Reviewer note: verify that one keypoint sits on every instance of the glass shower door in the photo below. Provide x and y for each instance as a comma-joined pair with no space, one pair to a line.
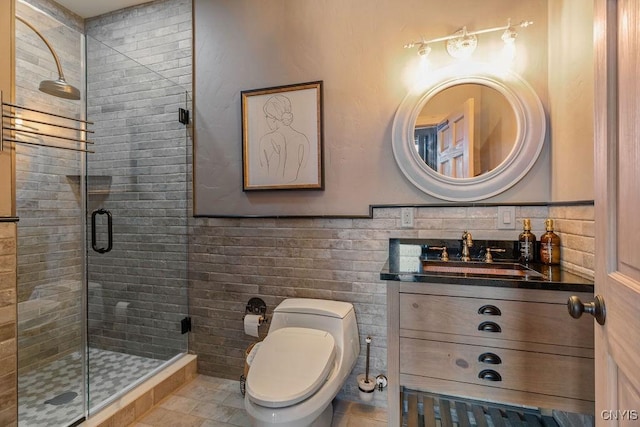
102,236
50,205
137,222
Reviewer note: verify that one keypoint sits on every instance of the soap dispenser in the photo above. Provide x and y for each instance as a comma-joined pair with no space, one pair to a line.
549,245
526,242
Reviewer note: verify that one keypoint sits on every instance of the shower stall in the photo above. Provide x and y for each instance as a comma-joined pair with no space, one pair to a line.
102,195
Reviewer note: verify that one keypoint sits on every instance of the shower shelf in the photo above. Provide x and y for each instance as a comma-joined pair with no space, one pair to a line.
8,112
99,184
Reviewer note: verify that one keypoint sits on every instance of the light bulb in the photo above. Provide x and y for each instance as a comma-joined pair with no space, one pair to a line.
463,45
424,50
509,35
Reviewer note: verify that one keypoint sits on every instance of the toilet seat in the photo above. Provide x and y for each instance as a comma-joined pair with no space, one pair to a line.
290,366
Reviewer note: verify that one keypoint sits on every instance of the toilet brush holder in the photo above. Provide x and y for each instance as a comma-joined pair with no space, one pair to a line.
366,387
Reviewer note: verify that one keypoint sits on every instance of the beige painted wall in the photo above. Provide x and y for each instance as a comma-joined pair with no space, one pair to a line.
571,99
356,48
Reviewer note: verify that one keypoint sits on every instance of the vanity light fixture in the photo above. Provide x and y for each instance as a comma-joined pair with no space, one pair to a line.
462,43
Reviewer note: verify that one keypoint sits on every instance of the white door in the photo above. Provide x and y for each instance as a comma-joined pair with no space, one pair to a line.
455,142
617,199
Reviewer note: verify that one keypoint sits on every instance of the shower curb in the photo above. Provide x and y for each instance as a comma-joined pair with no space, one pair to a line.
137,402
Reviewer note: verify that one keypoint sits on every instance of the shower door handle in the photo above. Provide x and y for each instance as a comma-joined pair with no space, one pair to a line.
95,213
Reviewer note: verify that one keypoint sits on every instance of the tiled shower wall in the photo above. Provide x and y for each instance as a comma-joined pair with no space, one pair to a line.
48,202
233,260
138,291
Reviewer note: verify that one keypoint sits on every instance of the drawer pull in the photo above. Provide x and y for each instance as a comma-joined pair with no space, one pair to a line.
489,310
489,358
489,327
489,375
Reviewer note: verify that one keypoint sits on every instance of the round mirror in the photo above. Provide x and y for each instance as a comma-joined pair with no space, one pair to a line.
467,138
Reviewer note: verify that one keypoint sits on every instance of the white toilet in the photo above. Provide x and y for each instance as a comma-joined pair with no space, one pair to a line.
302,364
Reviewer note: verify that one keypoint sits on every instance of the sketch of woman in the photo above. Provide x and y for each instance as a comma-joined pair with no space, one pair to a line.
283,150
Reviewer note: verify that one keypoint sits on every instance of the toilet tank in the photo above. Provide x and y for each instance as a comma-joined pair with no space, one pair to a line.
336,317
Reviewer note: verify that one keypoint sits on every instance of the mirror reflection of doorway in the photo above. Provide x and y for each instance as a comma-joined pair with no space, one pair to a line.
448,145
476,127
455,142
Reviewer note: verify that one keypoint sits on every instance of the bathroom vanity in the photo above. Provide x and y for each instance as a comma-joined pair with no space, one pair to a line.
489,333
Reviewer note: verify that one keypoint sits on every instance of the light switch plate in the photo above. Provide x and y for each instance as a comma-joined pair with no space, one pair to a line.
506,218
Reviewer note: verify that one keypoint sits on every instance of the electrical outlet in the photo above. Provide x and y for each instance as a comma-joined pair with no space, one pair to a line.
406,217
506,218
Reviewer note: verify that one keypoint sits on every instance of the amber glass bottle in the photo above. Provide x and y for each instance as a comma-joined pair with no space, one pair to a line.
549,245
527,242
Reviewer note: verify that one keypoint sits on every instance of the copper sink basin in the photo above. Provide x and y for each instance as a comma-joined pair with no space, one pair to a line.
480,269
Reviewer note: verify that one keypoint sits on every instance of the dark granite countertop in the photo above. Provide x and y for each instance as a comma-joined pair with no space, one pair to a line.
545,277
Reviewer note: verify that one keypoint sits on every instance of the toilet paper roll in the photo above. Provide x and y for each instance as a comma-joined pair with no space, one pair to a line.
251,324
121,311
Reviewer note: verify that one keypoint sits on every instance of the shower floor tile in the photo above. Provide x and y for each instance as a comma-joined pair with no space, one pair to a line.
109,372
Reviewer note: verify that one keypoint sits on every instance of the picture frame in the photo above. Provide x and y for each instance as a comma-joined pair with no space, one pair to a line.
282,138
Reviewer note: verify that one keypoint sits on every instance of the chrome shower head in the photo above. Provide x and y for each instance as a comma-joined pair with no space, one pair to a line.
60,88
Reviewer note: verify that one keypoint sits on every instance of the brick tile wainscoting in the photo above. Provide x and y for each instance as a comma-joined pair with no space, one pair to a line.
232,260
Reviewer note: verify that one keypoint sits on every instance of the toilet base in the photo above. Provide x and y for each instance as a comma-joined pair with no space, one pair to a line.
323,420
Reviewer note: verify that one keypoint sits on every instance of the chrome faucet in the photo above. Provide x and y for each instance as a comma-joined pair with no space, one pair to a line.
467,242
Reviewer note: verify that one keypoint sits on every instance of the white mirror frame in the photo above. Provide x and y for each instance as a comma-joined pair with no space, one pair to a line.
530,136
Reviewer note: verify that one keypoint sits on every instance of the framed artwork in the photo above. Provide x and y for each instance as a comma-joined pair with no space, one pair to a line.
282,141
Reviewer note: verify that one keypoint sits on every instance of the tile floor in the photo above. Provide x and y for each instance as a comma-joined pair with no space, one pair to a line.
109,372
216,402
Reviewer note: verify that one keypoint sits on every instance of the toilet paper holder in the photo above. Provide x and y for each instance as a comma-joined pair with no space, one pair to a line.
256,306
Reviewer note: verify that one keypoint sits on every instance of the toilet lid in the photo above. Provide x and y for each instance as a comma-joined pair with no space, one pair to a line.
290,366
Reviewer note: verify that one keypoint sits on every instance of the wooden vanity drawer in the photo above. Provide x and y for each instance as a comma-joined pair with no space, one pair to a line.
543,373
533,322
